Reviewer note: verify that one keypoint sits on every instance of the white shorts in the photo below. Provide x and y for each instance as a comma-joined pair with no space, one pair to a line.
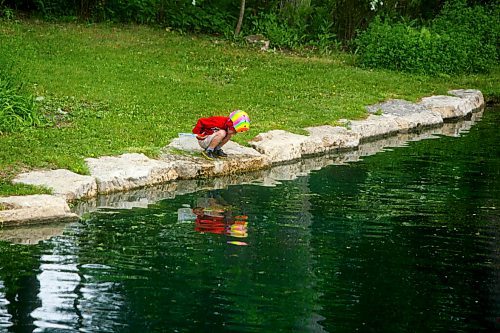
206,142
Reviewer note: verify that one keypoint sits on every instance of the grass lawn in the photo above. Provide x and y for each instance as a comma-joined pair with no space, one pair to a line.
117,89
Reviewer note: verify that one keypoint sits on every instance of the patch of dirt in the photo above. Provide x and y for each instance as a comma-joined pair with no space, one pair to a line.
7,206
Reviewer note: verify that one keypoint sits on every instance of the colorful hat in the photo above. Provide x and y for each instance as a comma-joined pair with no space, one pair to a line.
240,119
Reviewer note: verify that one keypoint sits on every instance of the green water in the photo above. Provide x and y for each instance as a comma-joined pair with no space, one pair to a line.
406,240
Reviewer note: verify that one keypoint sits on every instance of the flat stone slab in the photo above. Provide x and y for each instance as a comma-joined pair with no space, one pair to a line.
449,107
129,171
193,165
190,144
17,210
375,127
474,97
62,182
282,146
409,116
186,143
333,138
279,146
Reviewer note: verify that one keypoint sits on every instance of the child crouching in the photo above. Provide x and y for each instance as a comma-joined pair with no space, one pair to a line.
214,132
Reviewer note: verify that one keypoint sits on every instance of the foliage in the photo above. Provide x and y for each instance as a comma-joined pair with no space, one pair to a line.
206,19
476,28
18,263
461,40
183,15
5,11
306,21
278,32
312,28
18,109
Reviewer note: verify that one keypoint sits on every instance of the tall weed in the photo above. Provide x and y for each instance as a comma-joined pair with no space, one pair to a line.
18,109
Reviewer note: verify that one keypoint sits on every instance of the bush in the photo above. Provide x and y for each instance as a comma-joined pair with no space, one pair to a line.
277,31
307,28
179,15
460,40
200,18
185,15
477,27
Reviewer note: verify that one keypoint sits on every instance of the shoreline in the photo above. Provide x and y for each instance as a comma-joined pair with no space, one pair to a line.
180,167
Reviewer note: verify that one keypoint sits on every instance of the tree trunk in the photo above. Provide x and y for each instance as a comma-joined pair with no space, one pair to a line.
240,19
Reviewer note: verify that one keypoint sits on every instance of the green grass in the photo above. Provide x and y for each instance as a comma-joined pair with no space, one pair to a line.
134,88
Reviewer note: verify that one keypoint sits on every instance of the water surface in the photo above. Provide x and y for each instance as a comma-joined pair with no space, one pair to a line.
406,240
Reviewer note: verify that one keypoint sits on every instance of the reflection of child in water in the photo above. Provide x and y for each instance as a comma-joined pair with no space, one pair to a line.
217,218
208,220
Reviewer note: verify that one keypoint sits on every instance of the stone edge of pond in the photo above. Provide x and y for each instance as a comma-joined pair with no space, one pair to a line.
180,160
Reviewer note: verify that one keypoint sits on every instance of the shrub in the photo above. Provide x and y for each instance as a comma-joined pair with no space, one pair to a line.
277,31
477,27
461,40
307,26
199,18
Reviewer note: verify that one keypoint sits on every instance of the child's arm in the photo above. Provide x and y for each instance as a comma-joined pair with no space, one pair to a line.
199,129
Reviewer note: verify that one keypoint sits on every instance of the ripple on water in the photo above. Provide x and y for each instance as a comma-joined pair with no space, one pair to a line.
5,316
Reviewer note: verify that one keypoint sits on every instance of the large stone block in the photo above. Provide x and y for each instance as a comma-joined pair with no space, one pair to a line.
238,164
409,116
188,165
40,208
449,107
333,138
129,171
185,143
474,97
193,165
279,146
374,127
64,183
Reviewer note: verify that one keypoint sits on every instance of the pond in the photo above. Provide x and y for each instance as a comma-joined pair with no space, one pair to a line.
406,240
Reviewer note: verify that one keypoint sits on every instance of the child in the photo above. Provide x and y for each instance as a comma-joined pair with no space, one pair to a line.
214,132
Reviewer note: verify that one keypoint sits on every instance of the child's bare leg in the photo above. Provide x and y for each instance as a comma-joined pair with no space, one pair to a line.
226,138
217,140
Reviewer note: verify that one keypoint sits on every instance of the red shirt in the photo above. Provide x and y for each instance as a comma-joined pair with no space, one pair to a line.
207,126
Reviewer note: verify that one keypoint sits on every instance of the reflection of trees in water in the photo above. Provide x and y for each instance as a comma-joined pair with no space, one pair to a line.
170,275
52,290
19,283
408,230
5,317
277,274
70,296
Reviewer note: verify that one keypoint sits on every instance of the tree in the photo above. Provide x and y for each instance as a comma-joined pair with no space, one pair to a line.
240,18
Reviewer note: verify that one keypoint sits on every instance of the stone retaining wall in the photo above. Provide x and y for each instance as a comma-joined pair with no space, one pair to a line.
181,160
